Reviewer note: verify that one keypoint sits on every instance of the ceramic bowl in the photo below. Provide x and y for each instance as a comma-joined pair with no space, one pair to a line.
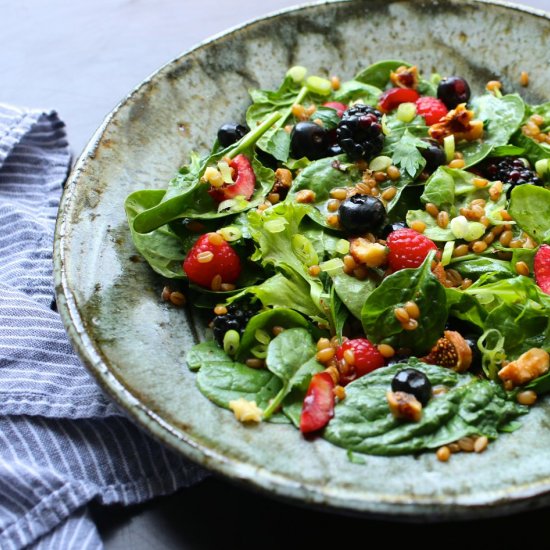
135,345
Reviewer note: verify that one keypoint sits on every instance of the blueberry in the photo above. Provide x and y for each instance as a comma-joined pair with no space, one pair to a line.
362,213
391,227
414,382
309,140
453,90
230,132
471,340
266,159
434,156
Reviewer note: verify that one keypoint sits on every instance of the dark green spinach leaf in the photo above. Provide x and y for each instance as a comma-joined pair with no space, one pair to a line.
418,285
162,248
363,423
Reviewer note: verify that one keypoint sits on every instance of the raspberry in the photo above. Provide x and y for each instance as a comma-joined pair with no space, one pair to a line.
340,108
245,180
391,99
408,248
366,356
542,268
431,108
211,256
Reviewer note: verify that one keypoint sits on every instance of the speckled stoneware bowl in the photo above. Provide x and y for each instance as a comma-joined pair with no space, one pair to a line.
135,344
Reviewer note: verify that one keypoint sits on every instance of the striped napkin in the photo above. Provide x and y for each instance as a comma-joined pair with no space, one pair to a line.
62,443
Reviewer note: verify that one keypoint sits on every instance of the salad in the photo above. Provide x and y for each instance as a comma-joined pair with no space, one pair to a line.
370,258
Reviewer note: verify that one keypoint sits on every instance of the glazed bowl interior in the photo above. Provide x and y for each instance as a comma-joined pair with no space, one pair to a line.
136,345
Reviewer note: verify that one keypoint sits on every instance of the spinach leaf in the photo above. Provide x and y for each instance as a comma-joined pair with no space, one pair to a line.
507,151
353,90
532,150
475,266
162,248
338,312
523,327
378,74
530,208
501,116
352,291
223,380
465,307
324,242
291,357
540,385
432,231
275,141
321,176
203,353
265,321
418,285
329,117
187,197
474,152
450,190
363,423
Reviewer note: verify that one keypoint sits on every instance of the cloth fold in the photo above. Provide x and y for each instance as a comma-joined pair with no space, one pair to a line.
62,442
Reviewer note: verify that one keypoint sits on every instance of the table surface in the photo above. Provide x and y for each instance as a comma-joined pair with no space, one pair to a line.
81,58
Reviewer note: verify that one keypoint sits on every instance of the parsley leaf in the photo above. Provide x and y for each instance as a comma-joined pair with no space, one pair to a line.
406,154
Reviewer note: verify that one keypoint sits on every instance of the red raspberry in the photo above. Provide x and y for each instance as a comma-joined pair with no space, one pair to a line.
542,268
245,180
318,405
337,106
366,356
391,99
431,108
408,248
211,256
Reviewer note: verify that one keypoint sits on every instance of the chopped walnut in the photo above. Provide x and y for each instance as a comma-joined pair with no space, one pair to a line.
283,182
528,366
246,411
405,77
404,406
368,253
458,122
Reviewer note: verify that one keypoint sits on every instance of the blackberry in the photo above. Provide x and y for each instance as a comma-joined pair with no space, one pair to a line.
359,133
236,318
513,170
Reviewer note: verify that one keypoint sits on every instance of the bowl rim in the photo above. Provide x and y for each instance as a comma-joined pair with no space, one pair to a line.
431,508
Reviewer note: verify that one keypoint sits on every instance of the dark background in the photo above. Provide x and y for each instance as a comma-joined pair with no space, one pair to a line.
81,58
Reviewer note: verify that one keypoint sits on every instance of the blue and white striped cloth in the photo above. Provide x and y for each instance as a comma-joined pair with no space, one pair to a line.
62,443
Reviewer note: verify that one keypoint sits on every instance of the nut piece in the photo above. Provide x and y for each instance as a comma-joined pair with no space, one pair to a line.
528,366
365,252
404,406
451,351
458,122
246,411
